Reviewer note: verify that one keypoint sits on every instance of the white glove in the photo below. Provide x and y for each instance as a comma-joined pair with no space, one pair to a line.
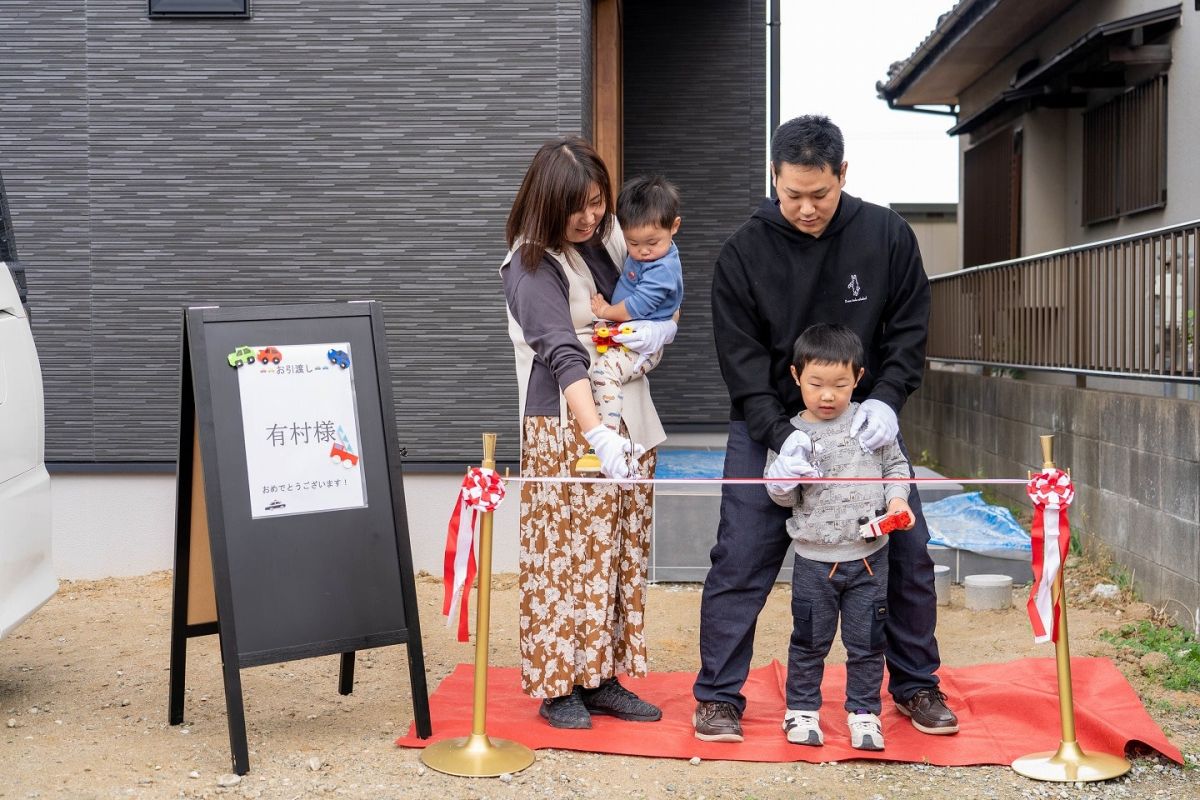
648,335
787,469
798,444
614,452
878,425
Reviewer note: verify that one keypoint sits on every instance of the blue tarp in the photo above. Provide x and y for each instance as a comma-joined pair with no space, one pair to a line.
965,521
681,463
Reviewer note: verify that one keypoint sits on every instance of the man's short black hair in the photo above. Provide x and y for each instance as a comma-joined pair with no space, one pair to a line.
649,200
828,344
808,141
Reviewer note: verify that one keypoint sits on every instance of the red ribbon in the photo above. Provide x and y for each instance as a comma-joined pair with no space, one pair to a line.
482,490
1051,492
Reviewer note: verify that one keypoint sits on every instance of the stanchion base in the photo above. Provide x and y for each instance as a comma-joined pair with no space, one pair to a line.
477,756
1069,764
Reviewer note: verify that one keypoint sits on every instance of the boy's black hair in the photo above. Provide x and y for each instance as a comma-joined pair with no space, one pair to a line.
828,344
649,200
808,141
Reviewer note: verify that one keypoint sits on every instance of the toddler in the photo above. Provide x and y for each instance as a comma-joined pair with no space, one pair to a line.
836,571
650,287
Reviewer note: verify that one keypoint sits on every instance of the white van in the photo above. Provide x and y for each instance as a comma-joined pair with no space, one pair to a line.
26,572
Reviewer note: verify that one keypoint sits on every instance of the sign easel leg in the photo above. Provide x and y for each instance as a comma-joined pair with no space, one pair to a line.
420,692
183,537
346,674
237,717
178,662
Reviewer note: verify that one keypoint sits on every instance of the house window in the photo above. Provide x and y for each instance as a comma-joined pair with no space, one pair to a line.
1125,153
199,8
992,199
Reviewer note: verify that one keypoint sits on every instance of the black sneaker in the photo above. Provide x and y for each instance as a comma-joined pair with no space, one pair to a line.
566,712
717,722
611,698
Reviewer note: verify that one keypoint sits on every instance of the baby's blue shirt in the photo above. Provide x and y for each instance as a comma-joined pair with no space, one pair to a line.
651,289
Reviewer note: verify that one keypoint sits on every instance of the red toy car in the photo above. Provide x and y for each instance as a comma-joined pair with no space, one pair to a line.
884,524
269,355
340,455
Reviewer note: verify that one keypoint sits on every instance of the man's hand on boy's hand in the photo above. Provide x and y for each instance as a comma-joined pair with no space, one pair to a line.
897,504
874,424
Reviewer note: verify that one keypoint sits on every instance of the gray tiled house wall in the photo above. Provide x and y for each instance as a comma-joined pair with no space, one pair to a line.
1134,460
695,111
328,150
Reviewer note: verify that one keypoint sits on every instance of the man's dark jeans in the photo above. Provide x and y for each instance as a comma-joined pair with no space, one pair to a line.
751,545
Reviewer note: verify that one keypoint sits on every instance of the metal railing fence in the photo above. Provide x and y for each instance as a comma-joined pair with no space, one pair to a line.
1125,306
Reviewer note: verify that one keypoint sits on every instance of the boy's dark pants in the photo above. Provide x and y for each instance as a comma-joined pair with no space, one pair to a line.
860,595
751,545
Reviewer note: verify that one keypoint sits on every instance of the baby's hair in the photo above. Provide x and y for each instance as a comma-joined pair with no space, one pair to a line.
828,344
649,200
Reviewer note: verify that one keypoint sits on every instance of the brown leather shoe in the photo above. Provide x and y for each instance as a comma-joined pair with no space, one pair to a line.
717,722
929,713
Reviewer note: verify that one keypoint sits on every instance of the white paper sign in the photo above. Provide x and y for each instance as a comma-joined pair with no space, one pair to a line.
299,415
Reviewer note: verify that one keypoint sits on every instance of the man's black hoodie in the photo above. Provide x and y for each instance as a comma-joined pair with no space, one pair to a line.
772,281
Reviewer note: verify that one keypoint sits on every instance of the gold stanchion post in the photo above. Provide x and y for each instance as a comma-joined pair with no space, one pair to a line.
1069,763
477,756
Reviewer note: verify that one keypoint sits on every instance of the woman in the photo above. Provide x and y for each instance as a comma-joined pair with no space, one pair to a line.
583,547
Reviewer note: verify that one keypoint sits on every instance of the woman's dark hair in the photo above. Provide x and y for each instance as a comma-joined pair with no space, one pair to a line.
828,344
808,141
555,187
648,201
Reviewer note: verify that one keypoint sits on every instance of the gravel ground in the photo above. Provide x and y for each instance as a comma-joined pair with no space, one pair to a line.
83,701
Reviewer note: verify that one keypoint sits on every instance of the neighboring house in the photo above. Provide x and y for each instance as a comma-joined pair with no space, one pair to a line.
936,228
340,150
1068,114
1080,198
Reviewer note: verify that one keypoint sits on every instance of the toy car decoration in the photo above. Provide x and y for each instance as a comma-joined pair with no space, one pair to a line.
603,332
339,358
270,354
240,355
871,529
339,454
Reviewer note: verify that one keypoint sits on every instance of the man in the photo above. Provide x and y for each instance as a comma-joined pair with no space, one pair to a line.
814,255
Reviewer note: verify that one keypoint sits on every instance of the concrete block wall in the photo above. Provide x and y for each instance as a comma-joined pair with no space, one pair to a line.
1134,460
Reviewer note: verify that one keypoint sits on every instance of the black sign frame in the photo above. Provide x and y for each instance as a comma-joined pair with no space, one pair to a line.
374,606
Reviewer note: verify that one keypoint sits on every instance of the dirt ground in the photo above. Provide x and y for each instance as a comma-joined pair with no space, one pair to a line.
83,705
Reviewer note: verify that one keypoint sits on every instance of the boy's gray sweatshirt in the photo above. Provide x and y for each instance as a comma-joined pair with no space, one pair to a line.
824,521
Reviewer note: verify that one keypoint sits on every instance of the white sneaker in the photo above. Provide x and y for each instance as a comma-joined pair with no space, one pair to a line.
803,727
866,732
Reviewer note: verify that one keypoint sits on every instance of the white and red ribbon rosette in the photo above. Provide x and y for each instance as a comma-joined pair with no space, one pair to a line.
1051,492
482,490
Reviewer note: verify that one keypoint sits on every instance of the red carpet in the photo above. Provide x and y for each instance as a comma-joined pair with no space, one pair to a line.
1005,711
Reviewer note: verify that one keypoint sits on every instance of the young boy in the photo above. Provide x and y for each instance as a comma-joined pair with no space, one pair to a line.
650,287
836,570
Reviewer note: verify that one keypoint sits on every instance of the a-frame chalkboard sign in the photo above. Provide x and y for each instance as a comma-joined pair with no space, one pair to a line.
291,537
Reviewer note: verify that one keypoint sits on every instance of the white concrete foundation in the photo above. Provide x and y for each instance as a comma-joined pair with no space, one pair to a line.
941,584
988,592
